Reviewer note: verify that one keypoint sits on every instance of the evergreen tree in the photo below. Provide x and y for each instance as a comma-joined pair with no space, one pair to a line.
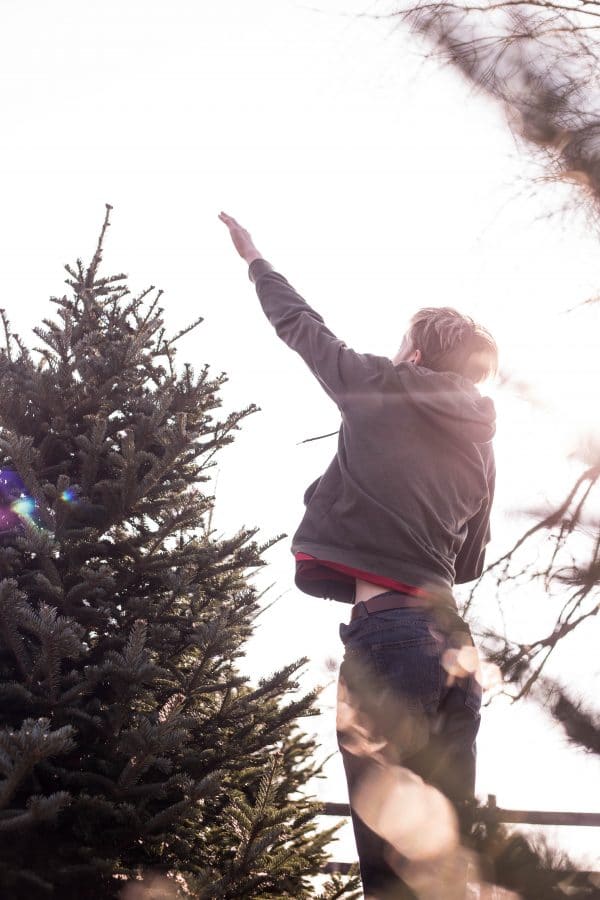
131,746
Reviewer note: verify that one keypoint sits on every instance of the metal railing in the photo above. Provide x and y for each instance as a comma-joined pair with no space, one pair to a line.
495,814
490,813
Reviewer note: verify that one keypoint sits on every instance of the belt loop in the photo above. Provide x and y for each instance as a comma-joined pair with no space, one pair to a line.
359,610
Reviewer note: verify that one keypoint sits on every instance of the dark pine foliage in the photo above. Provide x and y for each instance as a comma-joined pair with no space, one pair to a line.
131,747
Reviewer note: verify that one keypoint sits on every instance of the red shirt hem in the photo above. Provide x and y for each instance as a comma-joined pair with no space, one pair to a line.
309,566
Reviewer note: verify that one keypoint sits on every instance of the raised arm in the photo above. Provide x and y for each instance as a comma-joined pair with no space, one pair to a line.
342,372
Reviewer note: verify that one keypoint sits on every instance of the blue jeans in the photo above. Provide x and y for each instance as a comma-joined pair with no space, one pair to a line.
409,700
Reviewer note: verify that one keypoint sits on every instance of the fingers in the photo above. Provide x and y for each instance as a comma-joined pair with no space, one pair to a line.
229,220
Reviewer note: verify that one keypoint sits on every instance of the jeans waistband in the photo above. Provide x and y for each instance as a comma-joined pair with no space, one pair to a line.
391,600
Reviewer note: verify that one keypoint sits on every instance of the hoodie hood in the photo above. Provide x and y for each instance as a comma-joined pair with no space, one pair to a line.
451,401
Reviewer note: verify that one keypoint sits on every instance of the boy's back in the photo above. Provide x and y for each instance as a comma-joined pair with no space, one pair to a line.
408,494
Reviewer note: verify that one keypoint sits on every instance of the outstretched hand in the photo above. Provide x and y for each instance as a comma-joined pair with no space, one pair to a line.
242,241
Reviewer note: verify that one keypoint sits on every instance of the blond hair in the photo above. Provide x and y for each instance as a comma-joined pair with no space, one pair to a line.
452,342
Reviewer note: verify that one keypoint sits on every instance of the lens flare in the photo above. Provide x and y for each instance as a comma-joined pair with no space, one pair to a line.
10,483
355,728
153,887
412,816
461,661
24,507
11,489
491,676
17,506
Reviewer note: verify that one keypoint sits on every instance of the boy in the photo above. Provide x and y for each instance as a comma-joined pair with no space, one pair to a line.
400,515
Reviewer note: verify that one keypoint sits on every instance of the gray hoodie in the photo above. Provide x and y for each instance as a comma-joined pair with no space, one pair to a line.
408,494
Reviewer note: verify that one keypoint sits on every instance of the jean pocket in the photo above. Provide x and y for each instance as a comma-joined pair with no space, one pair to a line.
410,669
348,630
362,629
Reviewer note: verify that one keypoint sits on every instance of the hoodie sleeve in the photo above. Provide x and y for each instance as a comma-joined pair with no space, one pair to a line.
471,556
339,370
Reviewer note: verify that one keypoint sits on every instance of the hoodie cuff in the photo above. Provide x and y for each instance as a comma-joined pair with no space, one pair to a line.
258,267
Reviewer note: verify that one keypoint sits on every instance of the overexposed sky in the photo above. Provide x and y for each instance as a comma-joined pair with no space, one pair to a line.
376,183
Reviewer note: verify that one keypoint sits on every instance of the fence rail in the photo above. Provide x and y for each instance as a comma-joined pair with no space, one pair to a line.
493,813
489,813
343,868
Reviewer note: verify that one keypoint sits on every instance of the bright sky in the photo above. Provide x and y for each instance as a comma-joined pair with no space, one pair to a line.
376,183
